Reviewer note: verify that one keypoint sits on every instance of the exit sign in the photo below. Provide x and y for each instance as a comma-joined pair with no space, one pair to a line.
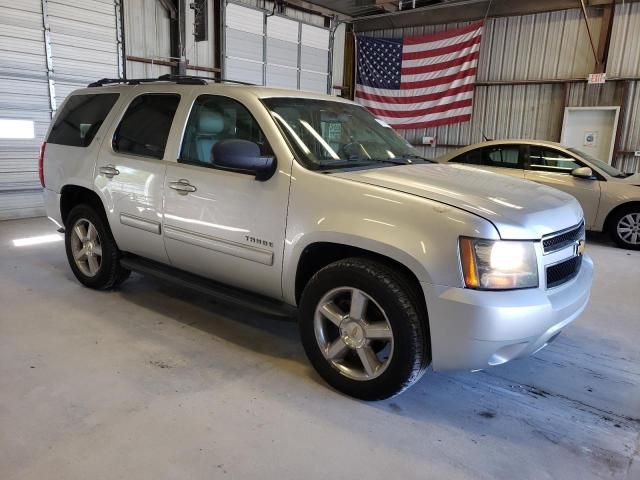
596,78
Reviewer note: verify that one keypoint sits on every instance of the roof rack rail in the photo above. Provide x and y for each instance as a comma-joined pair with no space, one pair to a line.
172,77
179,79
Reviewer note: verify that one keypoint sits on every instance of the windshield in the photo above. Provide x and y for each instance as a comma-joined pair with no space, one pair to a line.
608,169
330,135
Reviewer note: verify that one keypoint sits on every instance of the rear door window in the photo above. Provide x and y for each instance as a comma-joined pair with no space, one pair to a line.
505,156
144,128
80,119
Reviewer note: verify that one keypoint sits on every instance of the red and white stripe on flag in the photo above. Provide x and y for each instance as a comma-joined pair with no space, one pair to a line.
437,75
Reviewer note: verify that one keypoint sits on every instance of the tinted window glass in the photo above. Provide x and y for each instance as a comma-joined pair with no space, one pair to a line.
144,129
213,119
610,170
336,135
474,157
81,118
507,156
551,160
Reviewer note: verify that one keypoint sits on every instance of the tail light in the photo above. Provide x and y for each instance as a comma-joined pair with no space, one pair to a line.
41,164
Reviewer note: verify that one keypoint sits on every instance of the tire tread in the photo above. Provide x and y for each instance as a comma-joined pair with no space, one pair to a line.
405,293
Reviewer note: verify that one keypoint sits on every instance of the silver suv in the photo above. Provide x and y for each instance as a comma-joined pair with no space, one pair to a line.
274,199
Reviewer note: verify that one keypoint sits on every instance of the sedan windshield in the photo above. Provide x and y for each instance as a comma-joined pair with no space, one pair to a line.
330,135
608,169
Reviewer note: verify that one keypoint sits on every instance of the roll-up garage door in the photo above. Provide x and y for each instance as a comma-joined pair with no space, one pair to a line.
275,51
244,44
314,58
48,48
283,40
25,109
84,43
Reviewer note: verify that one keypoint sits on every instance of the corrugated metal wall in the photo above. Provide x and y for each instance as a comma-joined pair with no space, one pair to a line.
200,53
624,61
629,129
146,33
552,45
516,52
624,52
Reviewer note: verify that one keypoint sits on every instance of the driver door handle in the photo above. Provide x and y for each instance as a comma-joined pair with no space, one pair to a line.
182,186
109,171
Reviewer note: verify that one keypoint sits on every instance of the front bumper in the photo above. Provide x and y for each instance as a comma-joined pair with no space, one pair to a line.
472,329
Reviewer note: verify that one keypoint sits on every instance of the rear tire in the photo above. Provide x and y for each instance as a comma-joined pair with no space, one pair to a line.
625,227
91,250
364,329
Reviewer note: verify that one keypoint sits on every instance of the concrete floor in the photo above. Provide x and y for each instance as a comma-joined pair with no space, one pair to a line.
153,382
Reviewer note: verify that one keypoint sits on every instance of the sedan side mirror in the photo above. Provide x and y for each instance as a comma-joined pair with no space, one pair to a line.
243,156
582,172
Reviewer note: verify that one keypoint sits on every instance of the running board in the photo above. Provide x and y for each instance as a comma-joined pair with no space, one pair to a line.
215,290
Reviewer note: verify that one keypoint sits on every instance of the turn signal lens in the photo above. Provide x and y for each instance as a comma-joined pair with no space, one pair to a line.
498,264
468,263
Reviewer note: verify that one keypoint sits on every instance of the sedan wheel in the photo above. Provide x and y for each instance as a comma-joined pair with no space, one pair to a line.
628,228
624,227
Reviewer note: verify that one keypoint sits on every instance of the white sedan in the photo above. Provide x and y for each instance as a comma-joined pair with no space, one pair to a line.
610,199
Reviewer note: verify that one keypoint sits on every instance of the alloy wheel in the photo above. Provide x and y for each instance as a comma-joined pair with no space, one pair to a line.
353,333
86,247
628,228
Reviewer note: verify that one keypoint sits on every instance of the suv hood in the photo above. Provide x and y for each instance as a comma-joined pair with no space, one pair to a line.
519,209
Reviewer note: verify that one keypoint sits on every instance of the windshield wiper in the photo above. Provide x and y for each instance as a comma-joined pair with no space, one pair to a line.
406,159
393,160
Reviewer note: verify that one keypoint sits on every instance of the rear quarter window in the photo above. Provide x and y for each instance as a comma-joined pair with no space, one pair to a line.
473,157
80,119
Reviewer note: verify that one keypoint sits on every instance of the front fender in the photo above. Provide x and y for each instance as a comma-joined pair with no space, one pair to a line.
420,234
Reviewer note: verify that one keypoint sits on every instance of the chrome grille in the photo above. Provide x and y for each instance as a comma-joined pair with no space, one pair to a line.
559,240
563,272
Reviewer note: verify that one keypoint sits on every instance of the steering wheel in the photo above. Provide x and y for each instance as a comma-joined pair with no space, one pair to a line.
347,149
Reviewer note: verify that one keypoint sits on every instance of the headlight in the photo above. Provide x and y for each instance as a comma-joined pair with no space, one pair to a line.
498,264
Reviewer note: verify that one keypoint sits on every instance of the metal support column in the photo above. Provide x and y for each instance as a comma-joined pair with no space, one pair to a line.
122,64
299,56
47,48
264,48
333,26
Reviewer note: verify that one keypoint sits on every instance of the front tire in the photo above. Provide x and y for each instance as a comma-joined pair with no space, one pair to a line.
364,329
91,250
625,228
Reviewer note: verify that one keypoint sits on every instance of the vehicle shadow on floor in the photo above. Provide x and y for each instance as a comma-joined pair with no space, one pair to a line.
278,338
268,335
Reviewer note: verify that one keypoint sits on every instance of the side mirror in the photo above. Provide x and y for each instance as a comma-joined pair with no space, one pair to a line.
243,156
582,172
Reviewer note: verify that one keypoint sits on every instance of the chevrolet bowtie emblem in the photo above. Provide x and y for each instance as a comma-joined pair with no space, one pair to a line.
581,247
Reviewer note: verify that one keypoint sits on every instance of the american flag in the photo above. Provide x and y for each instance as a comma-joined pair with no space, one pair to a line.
419,82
